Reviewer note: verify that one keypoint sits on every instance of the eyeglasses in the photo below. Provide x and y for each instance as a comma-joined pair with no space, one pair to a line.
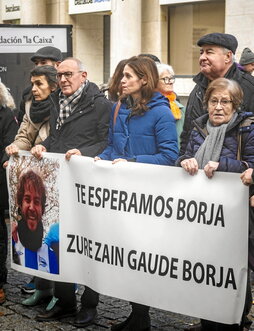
67,74
168,80
222,102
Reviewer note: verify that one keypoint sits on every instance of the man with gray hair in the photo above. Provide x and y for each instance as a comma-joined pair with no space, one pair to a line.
216,60
79,124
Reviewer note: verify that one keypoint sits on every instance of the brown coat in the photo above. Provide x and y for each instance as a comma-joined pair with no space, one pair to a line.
29,133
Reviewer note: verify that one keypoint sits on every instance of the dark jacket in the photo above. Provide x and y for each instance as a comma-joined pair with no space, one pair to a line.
228,159
147,138
8,129
195,108
85,129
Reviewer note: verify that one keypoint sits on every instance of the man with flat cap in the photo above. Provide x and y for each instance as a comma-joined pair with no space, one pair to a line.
47,55
216,60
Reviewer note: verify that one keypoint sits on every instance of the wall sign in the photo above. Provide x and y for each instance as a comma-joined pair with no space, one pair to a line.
89,6
10,10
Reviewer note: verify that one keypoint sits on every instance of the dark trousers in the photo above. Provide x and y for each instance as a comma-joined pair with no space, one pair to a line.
3,248
139,309
89,298
43,284
65,292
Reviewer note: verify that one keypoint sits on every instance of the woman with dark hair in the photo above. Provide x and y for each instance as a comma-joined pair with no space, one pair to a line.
142,129
217,144
114,86
35,125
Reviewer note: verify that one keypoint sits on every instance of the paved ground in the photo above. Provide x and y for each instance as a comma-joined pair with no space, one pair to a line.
15,317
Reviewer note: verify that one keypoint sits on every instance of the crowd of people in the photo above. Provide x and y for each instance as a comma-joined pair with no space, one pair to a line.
140,120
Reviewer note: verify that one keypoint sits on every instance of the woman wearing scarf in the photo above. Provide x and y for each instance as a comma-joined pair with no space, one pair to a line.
33,130
166,87
35,125
217,144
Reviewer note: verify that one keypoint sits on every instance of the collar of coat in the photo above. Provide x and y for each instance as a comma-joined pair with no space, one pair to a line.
232,73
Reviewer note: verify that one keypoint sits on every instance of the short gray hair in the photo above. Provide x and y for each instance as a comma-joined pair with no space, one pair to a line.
79,63
165,67
226,50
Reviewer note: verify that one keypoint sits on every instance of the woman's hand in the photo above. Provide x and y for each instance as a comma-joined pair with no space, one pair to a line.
210,168
252,201
5,164
37,151
246,177
14,231
118,160
97,158
71,152
190,165
12,149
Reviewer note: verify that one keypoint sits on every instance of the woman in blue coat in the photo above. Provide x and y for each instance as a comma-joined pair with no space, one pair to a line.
142,129
222,140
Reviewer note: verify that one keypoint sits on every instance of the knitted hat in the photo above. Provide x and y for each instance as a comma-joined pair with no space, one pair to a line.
48,52
246,57
220,39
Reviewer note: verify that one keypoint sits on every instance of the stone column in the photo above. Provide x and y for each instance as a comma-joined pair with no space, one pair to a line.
33,12
125,34
239,21
155,29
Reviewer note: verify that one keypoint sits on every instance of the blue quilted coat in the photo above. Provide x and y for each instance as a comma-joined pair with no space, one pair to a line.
147,138
228,159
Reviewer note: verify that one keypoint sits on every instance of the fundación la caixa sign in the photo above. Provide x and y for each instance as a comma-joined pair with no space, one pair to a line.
89,6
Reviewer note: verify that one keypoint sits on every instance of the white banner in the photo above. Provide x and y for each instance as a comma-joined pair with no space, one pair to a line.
149,234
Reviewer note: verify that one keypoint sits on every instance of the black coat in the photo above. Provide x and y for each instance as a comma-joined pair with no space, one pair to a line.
8,129
87,126
195,108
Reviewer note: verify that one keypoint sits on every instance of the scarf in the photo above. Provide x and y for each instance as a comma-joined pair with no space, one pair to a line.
176,111
30,239
211,148
40,110
67,105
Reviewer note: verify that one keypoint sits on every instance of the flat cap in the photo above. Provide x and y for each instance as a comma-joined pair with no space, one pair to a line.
247,57
48,52
220,39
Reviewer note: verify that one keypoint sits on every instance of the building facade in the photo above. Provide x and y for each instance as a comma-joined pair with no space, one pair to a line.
106,31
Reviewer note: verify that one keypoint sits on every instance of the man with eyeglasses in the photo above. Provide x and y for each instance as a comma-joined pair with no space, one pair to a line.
79,125
216,60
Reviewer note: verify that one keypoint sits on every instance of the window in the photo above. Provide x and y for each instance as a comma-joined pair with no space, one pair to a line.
187,23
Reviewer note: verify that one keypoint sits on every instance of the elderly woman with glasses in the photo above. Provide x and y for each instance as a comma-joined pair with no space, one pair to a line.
221,140
166,87
214,141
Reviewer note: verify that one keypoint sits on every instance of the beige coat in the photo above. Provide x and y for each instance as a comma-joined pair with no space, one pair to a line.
29,133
